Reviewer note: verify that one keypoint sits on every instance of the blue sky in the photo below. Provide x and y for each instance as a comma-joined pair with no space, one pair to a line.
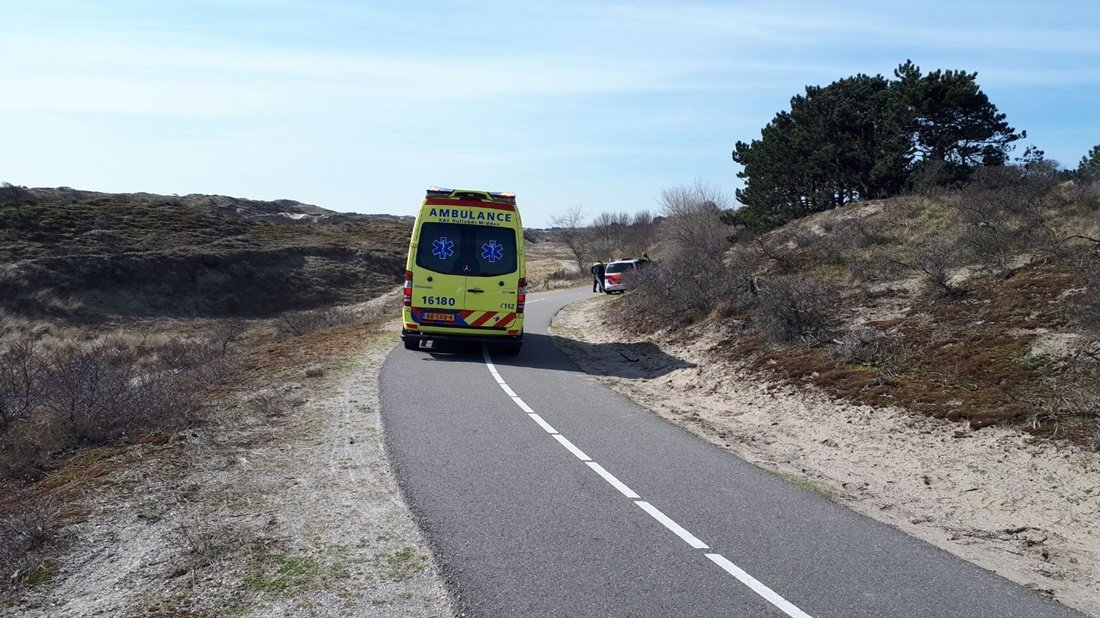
358,106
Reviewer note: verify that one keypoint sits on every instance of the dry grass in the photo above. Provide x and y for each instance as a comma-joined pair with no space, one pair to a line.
960,360
835,300
550,265
46,477
76,395
127,318
305,322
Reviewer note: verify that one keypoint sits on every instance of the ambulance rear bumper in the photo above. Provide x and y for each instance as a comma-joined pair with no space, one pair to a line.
439,341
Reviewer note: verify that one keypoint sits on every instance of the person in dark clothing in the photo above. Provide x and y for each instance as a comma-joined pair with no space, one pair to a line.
598,269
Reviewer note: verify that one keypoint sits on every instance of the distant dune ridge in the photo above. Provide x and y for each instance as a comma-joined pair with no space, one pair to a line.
67,252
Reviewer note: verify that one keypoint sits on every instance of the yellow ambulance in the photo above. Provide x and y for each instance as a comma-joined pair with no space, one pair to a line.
465,277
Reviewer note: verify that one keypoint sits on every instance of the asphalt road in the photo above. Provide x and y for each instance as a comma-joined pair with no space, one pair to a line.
545,494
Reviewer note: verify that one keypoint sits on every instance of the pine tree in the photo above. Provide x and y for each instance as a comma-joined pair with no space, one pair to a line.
839,143
866,137
1089,168
953,126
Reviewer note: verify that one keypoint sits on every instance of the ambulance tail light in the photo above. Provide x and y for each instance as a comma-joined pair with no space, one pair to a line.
521,295
407,289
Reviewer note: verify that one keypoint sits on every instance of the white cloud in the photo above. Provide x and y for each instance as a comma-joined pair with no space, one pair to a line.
136,76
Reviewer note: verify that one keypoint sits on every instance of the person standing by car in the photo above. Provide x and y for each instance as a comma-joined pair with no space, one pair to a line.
597,269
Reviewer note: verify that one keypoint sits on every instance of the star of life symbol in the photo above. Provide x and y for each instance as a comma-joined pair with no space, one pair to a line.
443,248
492,251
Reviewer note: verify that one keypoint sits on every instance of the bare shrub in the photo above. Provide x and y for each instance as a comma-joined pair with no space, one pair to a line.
1086,311
26,526
570,230
679,290
226,333
1071,398
1085,306
880,264
89,389
782,255
859,347
272,403
640,234
26,448
692,278
22,377
870,347
840,243
692,217
990,245
1085,194
871,231
102,391
1004,212
203,539
609,233
796,310
305,322
205,363
83,394
933,179
934,261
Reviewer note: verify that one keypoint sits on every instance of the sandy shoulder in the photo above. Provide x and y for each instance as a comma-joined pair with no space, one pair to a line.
1025,509
286,506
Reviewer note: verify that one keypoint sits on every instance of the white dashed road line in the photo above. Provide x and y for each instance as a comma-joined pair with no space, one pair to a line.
616,483
667,522
757,587
571,447
766,593
545,425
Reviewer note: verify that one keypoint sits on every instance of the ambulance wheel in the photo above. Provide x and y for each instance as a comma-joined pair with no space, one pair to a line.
510,349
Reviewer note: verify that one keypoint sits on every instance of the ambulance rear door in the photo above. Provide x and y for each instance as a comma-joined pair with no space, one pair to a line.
470,275
440,283
492,276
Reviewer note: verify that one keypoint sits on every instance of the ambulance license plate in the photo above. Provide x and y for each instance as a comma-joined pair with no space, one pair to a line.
440,317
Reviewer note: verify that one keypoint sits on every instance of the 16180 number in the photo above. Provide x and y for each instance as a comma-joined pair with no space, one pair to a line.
440,301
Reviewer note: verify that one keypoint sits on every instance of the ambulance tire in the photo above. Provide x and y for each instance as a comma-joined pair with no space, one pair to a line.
411,344
510,349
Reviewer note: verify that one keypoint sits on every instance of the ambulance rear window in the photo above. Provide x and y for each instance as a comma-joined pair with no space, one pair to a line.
471,250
